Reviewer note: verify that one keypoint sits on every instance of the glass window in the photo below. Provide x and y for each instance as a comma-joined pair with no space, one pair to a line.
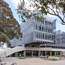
46,22
40,28
49,37
43,36
36,35
36,26
53,37
39,35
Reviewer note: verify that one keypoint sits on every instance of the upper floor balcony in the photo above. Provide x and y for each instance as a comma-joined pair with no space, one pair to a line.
43,37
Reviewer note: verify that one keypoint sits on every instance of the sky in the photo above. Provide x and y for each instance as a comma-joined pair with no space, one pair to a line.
13,5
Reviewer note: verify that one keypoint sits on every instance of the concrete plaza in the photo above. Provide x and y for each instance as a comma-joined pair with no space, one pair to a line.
32,61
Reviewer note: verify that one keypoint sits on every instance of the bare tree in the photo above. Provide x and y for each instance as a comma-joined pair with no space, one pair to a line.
52,7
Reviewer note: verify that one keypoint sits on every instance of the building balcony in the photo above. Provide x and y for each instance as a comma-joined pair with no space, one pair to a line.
42,40
43,32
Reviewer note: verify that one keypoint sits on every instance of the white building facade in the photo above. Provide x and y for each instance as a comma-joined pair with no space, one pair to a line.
38,39
36,32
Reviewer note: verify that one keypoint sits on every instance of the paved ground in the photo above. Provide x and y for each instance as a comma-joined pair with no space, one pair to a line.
33,61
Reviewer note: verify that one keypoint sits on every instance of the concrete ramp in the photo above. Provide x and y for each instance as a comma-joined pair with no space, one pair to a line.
4,52
8,51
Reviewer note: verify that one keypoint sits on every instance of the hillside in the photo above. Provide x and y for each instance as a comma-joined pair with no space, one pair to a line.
8,24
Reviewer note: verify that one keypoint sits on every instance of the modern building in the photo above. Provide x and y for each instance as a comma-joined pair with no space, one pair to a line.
60,39
37,33
38,39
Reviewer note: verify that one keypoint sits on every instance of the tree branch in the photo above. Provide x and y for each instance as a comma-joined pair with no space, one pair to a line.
60,18
52,10
57,16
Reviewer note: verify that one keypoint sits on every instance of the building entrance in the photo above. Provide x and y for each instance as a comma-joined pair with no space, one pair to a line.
28,53
35,53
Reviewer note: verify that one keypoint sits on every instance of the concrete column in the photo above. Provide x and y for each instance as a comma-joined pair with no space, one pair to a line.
32,53
55,53
39,54
61,53
45,53
16,54
50,53
24,53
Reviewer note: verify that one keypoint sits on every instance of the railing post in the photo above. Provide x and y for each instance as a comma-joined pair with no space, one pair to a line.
39,54
24,53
